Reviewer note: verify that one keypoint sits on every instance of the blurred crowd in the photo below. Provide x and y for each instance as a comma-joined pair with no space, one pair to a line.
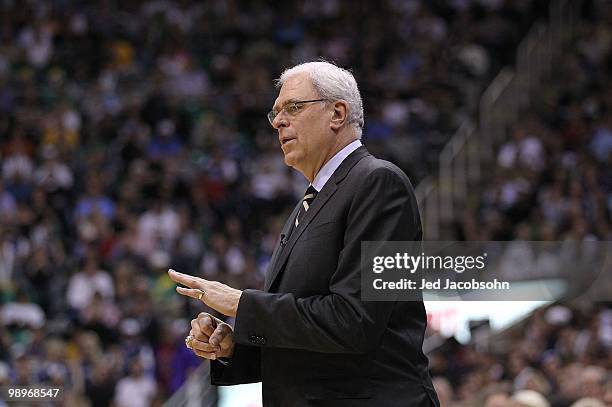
559,357
133,138
552,181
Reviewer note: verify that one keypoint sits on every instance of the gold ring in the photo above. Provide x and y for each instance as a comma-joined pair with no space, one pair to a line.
189,340
200,295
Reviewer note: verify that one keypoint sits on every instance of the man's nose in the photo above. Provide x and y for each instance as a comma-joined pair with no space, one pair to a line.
280,121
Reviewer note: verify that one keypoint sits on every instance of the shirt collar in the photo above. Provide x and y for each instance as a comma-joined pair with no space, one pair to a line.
332,164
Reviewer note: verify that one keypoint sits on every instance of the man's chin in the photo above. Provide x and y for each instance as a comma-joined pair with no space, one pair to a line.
289,160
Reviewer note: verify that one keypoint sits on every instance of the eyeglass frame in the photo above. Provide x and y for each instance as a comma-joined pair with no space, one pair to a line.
272,115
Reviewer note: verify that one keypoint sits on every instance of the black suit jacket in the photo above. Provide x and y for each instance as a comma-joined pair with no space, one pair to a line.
308,336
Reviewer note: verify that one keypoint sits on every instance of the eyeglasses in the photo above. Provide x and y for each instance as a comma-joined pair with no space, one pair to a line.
292,108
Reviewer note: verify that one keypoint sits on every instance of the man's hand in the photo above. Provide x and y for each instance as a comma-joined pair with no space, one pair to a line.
216,295
213,337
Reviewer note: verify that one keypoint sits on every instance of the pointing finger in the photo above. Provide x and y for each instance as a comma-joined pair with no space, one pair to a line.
186,279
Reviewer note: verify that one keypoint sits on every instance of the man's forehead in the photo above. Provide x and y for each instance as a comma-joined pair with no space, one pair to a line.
295,87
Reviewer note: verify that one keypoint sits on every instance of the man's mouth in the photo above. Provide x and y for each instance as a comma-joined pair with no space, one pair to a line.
286,140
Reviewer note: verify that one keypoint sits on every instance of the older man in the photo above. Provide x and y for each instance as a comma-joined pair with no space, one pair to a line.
308,336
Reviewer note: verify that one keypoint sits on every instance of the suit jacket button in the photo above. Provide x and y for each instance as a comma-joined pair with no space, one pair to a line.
262,340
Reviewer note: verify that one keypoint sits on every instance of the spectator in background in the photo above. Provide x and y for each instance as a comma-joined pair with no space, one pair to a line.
86,283
497,399
135,390
22,313
101,316
100,388
94,201
18,168
53,175
601,144
588,402
158,228
529,398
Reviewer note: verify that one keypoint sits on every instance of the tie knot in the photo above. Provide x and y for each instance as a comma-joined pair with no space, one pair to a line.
310,194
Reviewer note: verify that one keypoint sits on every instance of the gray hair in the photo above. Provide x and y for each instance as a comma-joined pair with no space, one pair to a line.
333,83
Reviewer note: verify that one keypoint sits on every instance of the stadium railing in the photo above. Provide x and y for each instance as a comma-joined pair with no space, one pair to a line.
470,151
196,391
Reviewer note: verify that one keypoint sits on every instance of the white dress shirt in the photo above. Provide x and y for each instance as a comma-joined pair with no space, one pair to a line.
330,166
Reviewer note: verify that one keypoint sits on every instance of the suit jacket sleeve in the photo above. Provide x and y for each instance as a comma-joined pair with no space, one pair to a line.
243,367
383,208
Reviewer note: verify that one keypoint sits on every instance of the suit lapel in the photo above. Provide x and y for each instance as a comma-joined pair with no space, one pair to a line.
286,231
331,186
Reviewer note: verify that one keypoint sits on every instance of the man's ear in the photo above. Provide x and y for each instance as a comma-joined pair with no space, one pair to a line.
339,115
